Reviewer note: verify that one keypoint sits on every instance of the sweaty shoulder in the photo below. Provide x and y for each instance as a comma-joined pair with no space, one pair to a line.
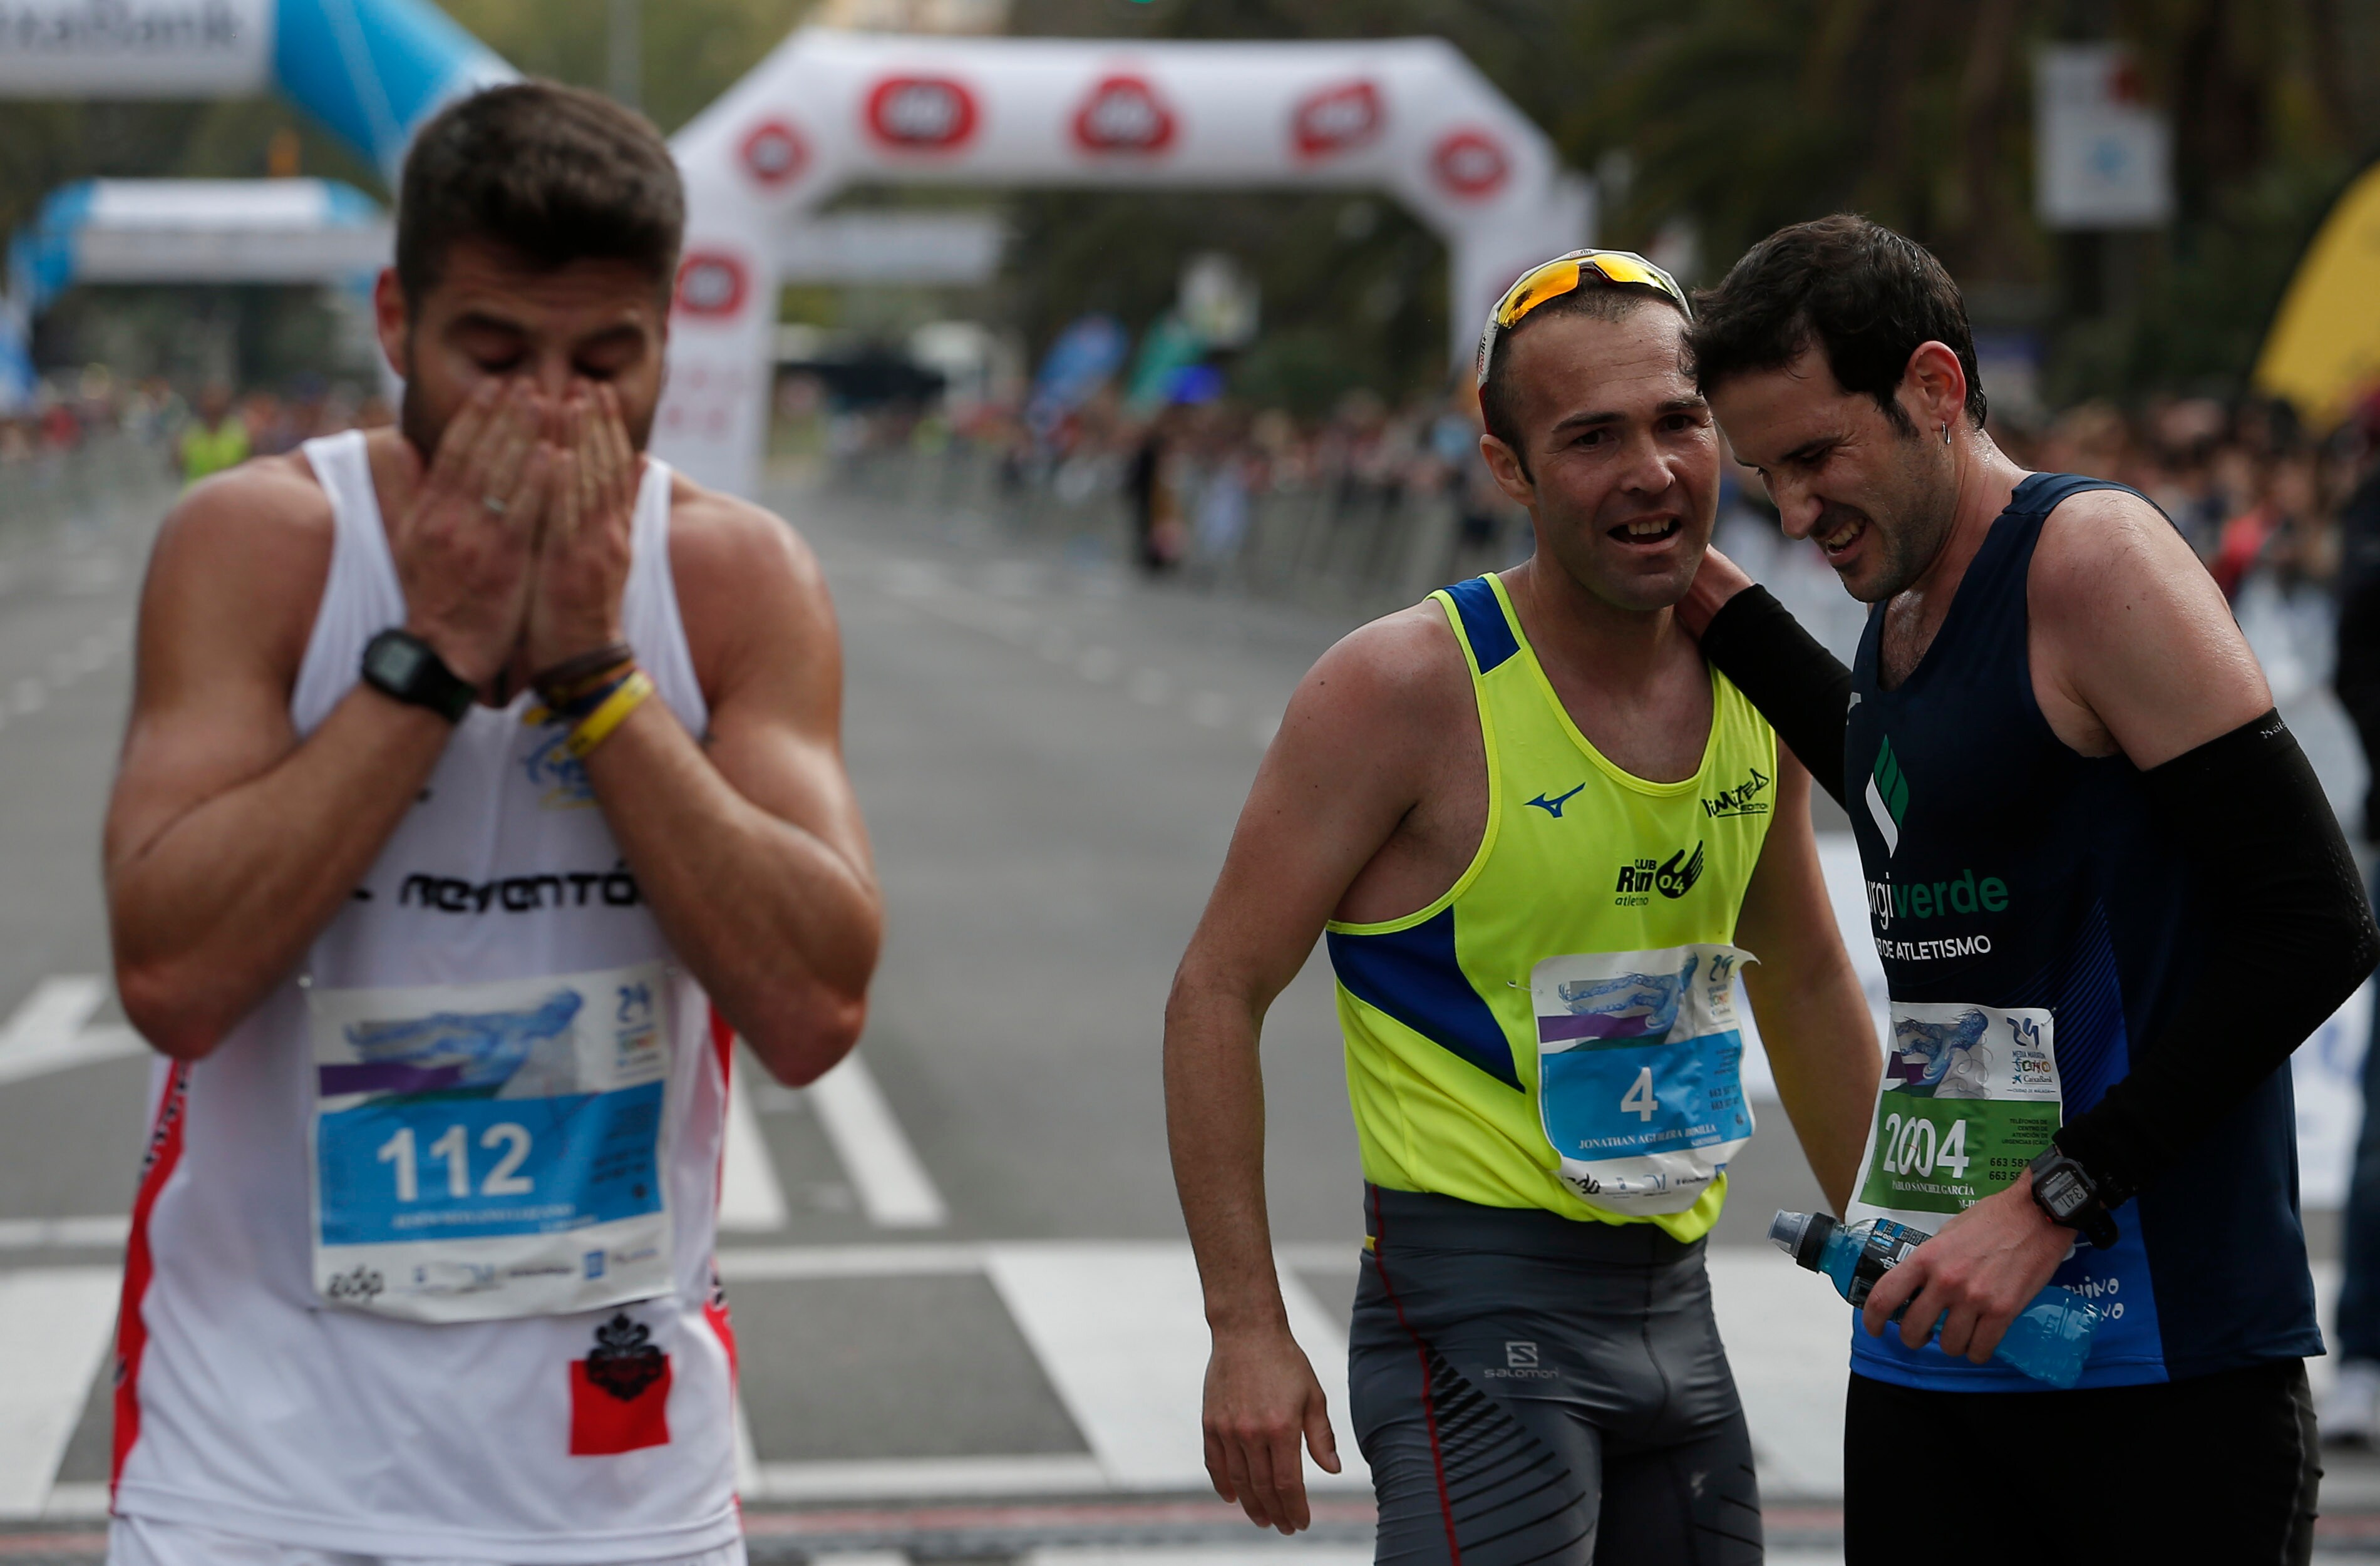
2134,647
745,580
1400,678
246,554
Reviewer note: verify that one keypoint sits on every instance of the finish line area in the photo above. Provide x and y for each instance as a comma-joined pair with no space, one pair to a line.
969,1326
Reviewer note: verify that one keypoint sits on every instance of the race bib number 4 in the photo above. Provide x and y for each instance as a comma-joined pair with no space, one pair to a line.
1639,1073
492,1150
1970,1096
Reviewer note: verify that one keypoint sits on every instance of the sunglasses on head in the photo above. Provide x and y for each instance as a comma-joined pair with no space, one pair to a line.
1551,280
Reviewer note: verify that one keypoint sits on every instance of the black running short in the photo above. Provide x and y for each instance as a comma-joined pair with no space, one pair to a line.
1527,1388
2223,1468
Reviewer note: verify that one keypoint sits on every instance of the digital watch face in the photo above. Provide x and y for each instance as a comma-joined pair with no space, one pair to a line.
395,663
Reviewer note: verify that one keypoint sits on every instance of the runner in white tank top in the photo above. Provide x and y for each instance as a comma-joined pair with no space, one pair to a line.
420,1266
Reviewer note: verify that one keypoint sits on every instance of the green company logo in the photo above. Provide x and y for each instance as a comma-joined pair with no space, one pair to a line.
1887,796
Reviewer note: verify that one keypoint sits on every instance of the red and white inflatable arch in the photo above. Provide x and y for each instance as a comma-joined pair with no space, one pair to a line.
1409,117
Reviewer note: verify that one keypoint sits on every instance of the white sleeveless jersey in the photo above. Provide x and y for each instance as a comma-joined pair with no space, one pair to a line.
430,1399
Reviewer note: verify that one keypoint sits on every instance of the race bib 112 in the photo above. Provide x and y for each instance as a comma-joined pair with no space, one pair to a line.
492,1150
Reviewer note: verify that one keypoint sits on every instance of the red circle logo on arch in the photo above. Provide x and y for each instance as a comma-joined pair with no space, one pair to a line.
710,283
774,154
1123,113
1336,119
921,114
1470,163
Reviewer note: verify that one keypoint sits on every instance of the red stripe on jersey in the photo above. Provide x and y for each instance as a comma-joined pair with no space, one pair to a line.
131,1333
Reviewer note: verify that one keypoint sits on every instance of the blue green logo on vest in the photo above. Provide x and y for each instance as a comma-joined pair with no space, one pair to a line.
1887,796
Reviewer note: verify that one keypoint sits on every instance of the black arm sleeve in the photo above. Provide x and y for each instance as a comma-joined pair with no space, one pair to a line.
1799,687
2278,894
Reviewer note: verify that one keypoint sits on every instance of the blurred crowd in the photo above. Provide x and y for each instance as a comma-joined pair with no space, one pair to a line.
2258,496
196,431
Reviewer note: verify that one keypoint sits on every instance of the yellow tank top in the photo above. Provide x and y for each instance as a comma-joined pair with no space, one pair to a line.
1558,1030
208,452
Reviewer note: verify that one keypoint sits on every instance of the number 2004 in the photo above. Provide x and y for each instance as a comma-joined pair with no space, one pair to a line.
1911,1147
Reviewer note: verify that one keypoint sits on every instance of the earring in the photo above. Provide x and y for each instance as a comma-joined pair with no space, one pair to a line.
1946,435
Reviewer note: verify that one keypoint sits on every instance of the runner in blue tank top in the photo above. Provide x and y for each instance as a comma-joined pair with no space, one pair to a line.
2110,899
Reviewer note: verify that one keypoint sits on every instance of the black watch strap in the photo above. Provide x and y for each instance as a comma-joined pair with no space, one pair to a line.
399,664
2064,1190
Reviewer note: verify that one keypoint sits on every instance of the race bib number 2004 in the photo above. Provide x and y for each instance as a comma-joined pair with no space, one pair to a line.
1969,1095
1640,1083
491,1150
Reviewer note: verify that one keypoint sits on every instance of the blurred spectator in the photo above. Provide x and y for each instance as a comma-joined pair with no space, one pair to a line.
216,438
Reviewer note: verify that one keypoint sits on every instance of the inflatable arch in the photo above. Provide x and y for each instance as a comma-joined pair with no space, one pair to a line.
1410,117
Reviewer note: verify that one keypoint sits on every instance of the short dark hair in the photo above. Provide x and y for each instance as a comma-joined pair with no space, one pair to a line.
1866,296
553,174
1594,298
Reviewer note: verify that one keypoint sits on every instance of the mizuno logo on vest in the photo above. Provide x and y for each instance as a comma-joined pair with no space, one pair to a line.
1553,807
1887,796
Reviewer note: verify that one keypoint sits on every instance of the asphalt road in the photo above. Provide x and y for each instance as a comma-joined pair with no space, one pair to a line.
957,1269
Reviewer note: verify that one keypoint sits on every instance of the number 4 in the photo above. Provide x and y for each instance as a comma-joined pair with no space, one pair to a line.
1639,1101
1953,1154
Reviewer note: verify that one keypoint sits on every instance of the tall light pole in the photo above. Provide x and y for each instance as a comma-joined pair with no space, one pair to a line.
627,52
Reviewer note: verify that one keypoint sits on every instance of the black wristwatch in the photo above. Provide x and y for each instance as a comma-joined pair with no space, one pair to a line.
400,664
2064,1190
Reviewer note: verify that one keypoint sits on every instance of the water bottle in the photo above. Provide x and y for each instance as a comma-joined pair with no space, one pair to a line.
2048,1341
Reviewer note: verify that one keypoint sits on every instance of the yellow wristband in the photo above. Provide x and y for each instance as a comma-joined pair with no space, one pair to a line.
598,724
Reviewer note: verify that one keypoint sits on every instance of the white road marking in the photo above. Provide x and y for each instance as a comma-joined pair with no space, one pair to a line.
906,1478
60,1320
1120,1331
75,1503
57,1010
1116,1326
1788,1340
47,1031
860,1557
894,1189
750,1194
64,1233
741,1263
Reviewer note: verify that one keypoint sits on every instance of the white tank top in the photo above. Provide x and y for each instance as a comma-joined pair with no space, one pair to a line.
497,969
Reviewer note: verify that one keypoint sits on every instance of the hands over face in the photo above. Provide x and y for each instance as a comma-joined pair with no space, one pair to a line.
466,547
519,534
583,552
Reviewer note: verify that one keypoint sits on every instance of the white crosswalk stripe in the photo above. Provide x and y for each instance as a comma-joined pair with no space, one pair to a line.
47,1032
1121,1331
896,1192
750,1194
60,1320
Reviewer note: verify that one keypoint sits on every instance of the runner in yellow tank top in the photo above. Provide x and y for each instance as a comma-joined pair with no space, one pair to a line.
1544,839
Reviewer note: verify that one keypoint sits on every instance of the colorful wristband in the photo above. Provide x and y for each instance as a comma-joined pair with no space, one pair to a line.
579,673
597,726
